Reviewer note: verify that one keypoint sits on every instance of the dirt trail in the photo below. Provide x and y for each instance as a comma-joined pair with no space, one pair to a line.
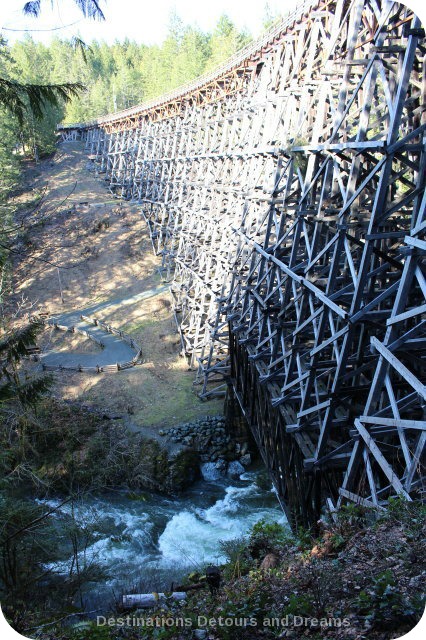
82,249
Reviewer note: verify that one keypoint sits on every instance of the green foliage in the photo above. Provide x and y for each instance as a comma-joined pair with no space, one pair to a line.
267,537
19,98
238,557
90,631
256,604
9,163
352,513
21,554
33,95
337,540
13,347
64,449
9,138
225,41
384,605
30,99
350,518
304,538
412,515
299,604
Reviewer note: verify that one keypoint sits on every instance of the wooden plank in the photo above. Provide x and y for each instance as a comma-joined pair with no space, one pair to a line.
402,369
381,460
394,422
359,500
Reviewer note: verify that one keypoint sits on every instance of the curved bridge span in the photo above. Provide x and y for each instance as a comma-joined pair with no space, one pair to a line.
286,196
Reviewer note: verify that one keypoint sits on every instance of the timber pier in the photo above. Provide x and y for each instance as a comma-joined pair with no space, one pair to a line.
285,194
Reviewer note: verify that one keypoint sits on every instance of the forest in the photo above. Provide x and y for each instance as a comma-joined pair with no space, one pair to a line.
112,77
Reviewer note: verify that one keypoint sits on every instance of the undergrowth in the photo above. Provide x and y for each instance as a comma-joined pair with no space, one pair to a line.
361,577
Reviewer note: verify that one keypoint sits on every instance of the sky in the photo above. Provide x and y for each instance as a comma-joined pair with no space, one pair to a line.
142,20
145,21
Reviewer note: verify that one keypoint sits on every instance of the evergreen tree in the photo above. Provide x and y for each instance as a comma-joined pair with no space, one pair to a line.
225,42
89,8
20,97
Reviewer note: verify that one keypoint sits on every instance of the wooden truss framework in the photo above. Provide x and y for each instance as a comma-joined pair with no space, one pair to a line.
286,198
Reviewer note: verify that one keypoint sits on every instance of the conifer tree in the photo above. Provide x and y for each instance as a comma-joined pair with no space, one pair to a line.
19,97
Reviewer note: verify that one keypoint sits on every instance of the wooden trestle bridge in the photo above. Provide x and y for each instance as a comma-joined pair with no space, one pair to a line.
285,193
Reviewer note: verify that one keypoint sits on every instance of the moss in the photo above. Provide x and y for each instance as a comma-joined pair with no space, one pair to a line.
184,469
164,474
76,450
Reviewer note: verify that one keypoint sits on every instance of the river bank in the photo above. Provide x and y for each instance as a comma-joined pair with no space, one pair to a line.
143,541
357,579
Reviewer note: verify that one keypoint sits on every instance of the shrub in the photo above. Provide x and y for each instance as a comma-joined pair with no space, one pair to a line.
238,557
299,605
385,606
268,537
409,514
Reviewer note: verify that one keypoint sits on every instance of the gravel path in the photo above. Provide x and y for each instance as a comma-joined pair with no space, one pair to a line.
115,349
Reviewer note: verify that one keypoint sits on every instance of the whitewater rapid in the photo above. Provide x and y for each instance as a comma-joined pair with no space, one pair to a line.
148,542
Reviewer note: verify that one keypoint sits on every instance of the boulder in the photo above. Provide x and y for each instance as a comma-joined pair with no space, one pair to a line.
210,472
235,469
246,460
221,465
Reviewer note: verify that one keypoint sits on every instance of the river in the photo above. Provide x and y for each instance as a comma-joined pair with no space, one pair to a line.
144,542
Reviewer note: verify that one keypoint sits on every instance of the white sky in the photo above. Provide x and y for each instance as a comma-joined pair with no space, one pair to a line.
143,20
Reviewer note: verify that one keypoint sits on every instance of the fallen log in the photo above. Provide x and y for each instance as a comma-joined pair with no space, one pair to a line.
191,587
147,600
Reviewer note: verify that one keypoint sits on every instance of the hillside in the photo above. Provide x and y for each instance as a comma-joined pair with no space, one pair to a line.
106,265
363,577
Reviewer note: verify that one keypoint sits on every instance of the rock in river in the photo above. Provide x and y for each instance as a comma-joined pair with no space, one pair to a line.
235,469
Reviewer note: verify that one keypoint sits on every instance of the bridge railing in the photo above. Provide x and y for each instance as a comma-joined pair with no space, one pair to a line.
235,61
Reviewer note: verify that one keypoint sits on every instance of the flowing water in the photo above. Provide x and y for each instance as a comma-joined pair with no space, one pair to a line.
145,542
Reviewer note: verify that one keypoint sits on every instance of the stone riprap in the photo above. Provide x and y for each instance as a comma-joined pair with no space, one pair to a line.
208,436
